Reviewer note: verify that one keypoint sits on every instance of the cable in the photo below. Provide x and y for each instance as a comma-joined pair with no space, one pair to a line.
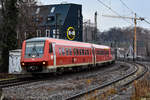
133,11
146,21
127,6
113,11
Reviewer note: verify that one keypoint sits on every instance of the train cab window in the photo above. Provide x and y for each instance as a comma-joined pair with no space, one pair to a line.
63,51
50,48
70,51
74,51
67,51
59,51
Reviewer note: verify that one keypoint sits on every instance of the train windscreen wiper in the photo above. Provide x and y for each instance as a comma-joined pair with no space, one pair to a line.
34,49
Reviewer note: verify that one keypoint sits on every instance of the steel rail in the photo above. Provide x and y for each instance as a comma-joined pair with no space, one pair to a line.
111,82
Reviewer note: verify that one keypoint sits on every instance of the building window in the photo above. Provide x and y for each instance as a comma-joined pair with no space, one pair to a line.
50,18
25,35
47,33
38,33
37,10
56,34
53,9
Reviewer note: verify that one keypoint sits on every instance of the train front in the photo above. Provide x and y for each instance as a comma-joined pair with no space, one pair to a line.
34,57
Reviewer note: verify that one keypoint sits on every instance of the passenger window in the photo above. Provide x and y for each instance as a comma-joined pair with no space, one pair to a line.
50,48
70,51
74,50
67,52
63,51
77,51
59,51
82,51
87,52
103,52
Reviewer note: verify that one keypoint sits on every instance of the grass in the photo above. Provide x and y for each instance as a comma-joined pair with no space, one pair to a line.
141,89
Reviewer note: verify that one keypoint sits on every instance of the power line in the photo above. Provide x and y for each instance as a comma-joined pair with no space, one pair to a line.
133,11
146,21
127,7
112,10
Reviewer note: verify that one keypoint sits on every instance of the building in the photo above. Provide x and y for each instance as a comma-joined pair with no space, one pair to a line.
62,21
88,31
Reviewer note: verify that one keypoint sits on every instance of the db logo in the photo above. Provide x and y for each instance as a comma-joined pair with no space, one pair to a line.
70,33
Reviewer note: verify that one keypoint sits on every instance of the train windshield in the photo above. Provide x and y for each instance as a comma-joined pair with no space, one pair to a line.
34,49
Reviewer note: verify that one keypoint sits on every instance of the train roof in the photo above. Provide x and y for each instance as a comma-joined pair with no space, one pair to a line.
100,46
67,42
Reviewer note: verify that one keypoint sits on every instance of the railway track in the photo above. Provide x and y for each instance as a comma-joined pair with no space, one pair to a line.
15,82
75,86
117,84
20,81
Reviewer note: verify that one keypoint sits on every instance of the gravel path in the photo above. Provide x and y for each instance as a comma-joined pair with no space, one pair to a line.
65,85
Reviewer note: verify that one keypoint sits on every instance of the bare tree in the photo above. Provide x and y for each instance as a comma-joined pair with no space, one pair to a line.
25,19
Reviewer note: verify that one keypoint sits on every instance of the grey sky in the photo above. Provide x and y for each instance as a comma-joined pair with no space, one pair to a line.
141,7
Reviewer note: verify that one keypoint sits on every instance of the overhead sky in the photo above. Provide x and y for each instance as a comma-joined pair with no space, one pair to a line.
89,7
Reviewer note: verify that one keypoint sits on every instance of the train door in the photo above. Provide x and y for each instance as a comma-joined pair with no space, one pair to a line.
54,54
94,57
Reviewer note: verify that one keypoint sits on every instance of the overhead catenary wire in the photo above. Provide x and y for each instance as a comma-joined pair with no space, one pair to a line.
133,11
146,21
127,7
113,11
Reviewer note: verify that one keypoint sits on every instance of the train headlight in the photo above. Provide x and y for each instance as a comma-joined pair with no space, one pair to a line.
23,64
44,62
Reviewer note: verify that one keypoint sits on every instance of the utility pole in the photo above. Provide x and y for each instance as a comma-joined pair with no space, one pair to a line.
135,23
135,37
56,25
95,18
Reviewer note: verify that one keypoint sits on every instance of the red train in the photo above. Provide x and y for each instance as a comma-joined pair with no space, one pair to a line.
44,55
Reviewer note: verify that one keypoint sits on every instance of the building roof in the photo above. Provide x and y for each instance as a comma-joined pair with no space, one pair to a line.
50,11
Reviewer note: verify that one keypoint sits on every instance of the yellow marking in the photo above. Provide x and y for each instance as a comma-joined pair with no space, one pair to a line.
68,33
